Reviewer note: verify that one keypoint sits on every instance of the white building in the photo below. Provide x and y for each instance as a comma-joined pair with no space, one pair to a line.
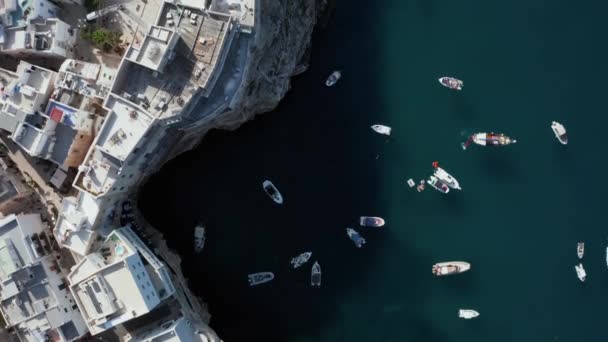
178,329
34,299
156,50
122,281
18,13
31,27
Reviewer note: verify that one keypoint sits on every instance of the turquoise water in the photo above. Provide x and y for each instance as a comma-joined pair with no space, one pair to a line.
517,220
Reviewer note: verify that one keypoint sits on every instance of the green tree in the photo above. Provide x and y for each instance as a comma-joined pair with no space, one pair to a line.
105,39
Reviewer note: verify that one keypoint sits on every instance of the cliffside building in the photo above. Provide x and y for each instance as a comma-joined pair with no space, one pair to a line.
121,281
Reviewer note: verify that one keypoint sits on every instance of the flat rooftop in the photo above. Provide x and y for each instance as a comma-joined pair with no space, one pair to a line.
153,49
113,285
124,127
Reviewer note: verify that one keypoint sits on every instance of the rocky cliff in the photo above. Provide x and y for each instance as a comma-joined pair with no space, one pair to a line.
279,51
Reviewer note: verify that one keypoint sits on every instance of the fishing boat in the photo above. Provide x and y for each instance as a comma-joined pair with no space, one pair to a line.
467,313
315,275
438,185
199,238
333,78
488,139
580,249
356,237
445,177
451,82
381,129
371,221
580,272
260,278
300,259
272,191
560,132
450,267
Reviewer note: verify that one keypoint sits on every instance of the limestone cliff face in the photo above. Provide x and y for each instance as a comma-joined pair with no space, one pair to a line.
283,33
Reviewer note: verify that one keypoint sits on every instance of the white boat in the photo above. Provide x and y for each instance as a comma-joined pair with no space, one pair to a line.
356,237
411,183
381,129
580,272
606,256
446,178
560,132
438,185
199,238
450,267
260,278
371,221
580,249
467,313
300,259
488,139
333,78
315,275
272,191
451,82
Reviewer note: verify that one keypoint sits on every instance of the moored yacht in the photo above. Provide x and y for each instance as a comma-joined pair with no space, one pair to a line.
438,185
467,313
451,82
356,237
300,259
450,267
560,132
199,238
315,275
381,129
371,221
445,177
580,272
489,139
333,78
259,278
580,249
272,191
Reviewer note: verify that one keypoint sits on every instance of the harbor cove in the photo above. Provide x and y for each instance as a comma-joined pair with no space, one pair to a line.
302,171
517,220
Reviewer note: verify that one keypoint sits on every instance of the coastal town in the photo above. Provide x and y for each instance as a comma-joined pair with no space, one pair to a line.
94,98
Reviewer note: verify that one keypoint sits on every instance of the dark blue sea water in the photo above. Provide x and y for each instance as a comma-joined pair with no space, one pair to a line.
517,220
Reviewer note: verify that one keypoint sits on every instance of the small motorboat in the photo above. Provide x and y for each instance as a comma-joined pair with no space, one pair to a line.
438,185
580,249
467,313
315,275
272,191
199,238
356,237
260,278
580,272
451,82
411,183
300,259
445,177
333,78
606,256
560,132
371,221
450,267
488,139
381,129
421,186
